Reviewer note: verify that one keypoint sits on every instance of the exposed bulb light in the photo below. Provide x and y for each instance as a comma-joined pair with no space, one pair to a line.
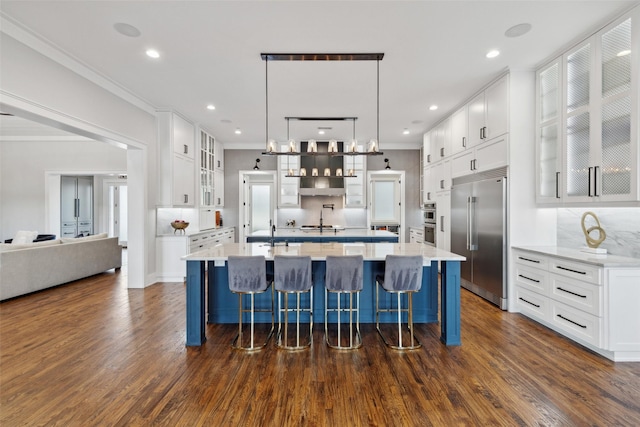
152,53
624,52
433,108
211,107
493,53
405,132
238,131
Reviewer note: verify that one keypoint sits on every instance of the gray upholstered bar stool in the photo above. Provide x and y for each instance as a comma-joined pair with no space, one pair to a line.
343,277
292,275
402,275
248,277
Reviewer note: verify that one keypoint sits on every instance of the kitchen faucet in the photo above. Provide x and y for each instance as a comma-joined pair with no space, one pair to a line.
273,231
325,206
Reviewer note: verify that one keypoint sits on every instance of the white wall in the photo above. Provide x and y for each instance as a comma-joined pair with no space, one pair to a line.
37,87
24,166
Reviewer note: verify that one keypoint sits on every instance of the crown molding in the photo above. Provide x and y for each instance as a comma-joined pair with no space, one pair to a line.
48,49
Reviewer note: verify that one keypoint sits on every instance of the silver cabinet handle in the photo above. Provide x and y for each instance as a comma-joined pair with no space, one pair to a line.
186,149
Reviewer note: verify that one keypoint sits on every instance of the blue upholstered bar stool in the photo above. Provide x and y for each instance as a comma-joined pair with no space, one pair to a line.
292,275
402,275
343,277
248,277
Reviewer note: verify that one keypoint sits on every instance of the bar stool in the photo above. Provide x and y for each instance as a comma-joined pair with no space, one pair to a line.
248,276
292,275
343,276
402,275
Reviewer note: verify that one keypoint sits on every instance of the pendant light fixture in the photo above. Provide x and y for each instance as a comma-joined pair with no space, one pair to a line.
292,147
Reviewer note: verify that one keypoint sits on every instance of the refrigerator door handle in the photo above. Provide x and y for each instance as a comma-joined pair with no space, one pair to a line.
468,221
473,245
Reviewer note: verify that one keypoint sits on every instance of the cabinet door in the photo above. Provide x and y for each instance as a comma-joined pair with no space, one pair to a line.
183,181
429,184
289,193
218,156
617,171
476,116
85,200
462,163
68,204
443,220
497,109
183,137
492,154
459,130
578,150
548,137
218,188
426,148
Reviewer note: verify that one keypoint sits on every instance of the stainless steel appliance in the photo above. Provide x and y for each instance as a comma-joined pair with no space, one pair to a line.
430,215
478,231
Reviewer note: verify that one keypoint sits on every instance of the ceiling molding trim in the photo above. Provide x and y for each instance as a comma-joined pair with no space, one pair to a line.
45,47
60,138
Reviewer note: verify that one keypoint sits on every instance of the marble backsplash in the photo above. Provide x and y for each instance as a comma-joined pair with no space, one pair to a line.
622,226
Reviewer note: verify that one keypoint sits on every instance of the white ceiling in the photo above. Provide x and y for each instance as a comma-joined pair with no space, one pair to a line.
434,53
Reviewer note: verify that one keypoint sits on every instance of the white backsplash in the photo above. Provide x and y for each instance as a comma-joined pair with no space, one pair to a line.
622,226
309,213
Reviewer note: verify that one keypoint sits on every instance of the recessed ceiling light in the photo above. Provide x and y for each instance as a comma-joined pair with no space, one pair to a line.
405,132
493,53
624,52
126,29
433,108
518,30
152,53
211,107
238,131
321,132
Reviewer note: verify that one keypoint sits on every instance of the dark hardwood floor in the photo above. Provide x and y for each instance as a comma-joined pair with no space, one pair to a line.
94,353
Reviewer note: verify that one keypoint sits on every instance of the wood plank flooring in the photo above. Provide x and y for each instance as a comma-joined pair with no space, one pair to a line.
94,353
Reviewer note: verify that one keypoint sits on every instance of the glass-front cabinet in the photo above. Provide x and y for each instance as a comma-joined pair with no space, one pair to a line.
207,143
587,120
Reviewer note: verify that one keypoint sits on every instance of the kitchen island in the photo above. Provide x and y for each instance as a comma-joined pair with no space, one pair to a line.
332,234
221,304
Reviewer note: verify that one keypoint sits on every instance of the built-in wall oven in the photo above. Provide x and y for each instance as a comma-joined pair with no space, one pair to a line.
430,215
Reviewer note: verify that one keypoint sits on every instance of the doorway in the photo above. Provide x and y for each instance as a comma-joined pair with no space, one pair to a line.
257,202
117,194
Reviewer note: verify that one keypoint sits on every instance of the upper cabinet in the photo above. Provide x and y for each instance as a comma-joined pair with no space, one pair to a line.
355,189
211,171
488,113
459,130
587,120
176,159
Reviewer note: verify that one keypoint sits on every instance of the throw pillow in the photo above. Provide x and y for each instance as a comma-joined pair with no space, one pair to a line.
23,237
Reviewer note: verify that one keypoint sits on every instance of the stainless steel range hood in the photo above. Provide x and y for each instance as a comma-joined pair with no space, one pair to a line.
321,185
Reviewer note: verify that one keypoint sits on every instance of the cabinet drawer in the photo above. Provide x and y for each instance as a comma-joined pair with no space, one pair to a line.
577,323
533,279
530,259
577,294
532,304
576,270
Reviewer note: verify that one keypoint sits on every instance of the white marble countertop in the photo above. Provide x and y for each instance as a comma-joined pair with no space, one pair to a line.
601,260
344,232
319,251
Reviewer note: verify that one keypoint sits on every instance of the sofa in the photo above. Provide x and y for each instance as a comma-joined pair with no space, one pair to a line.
30,267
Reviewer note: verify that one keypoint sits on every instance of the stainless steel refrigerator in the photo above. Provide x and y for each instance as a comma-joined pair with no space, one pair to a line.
478,231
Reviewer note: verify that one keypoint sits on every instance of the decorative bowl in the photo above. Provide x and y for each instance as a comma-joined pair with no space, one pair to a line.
179,225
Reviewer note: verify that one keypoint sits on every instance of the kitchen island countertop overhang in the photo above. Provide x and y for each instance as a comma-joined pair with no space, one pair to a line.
374,255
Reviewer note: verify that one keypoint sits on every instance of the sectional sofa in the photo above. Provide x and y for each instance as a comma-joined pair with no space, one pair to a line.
26,268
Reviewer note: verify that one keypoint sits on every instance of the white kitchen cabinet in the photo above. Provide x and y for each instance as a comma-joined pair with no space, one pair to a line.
218,155
486,156
416,235
488,113
218,189
596,124
591,302
429,184
441,176
443,220
459,131
170,248
176,159
427,157
207,180
549,176
288,186
440,141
